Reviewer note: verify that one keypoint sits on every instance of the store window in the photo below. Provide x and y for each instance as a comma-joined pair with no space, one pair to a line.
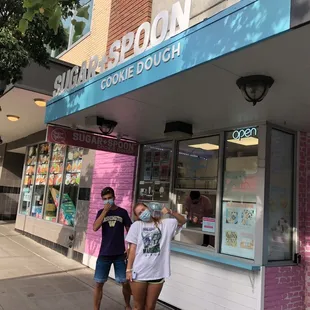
239,193
155,171
196,189
40,180
51,182
72,36
281,196
55,182
71,186
29,180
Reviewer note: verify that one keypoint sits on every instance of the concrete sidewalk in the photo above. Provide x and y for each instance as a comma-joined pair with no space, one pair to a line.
33,277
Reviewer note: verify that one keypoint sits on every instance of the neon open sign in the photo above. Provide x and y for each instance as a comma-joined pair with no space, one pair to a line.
244,133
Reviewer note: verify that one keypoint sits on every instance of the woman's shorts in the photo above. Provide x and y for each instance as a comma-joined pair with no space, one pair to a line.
158,281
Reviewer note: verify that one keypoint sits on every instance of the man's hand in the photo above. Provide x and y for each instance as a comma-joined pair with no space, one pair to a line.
100,219
107,208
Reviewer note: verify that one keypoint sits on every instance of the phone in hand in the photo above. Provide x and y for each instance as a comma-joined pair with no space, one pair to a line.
134,275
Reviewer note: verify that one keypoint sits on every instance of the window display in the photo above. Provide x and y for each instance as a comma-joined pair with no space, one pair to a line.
154,181
40,180
239,194
55,182
71,186
281,196
51,175
27,189
198,163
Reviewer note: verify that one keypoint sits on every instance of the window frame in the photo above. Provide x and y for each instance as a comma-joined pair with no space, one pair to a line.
294,244
262,184
71,31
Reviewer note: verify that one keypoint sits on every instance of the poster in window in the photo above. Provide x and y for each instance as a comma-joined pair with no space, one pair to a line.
238,227
156,157
161,191
148,157
165,156
164,172
155,172
147,172
145,191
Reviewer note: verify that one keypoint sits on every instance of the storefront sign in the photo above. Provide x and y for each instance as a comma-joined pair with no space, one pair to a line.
151,35
155,60
89,140
244,133
208,224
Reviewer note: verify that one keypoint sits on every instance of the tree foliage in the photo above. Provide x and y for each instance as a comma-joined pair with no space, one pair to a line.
28,28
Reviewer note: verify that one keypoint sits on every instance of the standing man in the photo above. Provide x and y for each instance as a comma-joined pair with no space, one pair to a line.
197,207
112,219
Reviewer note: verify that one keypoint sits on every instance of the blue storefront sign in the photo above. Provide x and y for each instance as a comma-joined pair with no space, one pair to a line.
243,24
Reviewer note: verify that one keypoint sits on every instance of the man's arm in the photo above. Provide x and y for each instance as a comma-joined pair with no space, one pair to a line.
207,207
98,222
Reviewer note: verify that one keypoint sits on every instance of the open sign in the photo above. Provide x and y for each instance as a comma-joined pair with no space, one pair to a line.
244,133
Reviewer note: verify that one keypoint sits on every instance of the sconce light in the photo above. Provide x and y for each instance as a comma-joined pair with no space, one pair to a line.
255,87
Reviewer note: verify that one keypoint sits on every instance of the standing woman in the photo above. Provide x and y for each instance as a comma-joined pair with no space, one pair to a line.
149,256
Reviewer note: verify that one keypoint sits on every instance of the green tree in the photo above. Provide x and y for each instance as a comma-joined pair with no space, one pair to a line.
28,28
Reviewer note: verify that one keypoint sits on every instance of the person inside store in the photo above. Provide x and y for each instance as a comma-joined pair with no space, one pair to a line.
149,255
197,207
112,220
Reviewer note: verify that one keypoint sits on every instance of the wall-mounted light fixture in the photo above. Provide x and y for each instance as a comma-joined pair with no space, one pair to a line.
40,102
13,118
255,87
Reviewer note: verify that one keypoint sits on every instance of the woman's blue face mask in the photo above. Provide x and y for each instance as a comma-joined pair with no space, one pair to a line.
145,216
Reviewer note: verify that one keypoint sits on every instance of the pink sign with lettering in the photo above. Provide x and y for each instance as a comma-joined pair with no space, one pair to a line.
90,141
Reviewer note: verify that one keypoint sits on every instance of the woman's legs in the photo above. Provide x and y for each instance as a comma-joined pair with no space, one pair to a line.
152,294
139,291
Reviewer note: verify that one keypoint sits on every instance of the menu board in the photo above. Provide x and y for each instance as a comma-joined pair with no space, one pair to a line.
238,229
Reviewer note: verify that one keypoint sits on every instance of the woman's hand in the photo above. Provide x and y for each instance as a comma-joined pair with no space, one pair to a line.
129,276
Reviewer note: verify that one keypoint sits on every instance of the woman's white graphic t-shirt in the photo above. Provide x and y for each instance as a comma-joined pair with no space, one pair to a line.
152,261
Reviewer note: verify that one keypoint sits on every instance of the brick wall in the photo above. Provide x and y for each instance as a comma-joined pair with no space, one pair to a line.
288,288
113,170
127,16
96,42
